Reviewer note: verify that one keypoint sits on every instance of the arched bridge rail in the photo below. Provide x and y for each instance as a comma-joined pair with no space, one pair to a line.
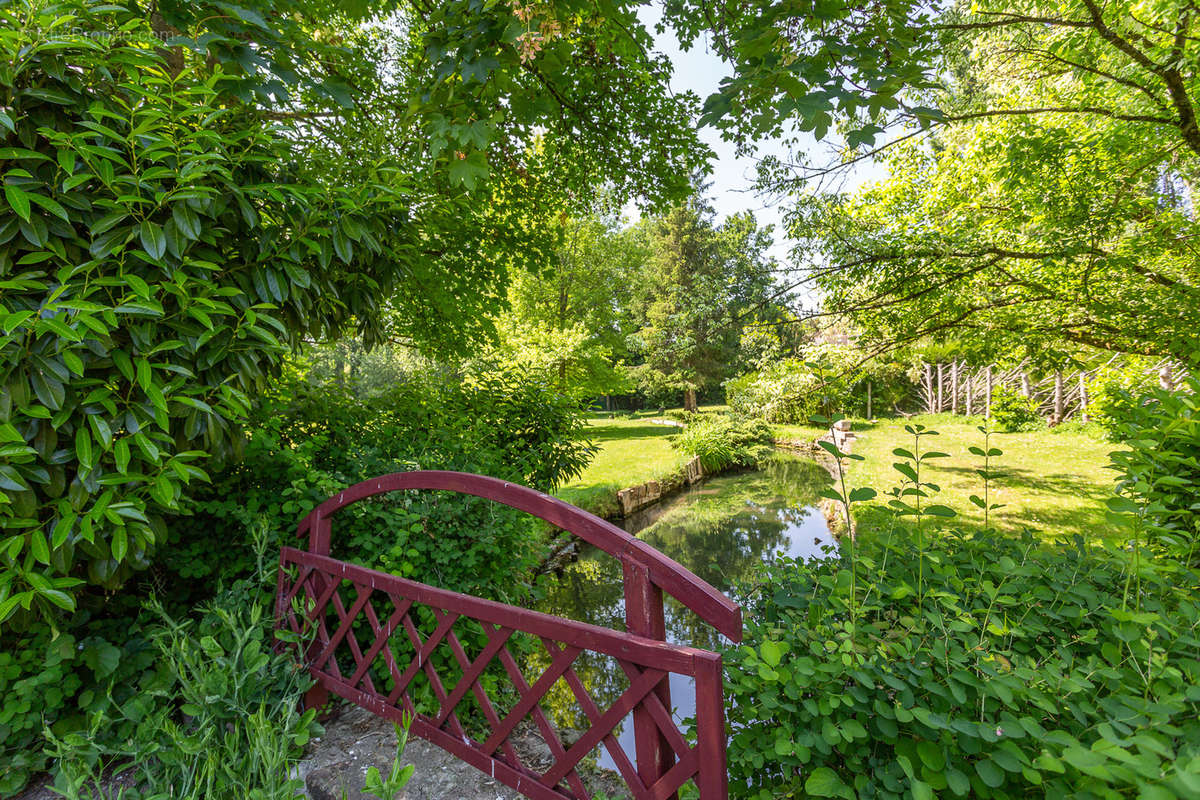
331,599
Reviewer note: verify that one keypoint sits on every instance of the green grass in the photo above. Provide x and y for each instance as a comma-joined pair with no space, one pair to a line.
1050,481
632,451
798,433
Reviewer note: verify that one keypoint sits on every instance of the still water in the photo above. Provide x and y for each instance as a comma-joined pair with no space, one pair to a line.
720,530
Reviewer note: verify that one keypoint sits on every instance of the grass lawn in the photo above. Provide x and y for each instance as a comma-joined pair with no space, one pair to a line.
632,451
798,433
1050,481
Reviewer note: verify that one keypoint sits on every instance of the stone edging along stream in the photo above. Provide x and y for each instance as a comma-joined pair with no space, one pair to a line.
635,498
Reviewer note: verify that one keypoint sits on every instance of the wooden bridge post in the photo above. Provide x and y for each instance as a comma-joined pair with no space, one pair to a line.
644,617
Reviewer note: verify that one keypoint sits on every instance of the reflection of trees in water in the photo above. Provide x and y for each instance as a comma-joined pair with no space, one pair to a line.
720,531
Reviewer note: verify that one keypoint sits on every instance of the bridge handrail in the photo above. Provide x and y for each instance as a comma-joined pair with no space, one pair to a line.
688,589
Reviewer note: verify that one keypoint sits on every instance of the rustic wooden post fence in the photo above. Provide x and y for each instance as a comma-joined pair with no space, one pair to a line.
1057,396
328,599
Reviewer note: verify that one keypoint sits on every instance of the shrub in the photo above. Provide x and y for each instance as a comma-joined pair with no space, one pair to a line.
1019,671
1013,411
157,257
312,441
724,441
1114,393
223,721
55,679
1160,464
788,392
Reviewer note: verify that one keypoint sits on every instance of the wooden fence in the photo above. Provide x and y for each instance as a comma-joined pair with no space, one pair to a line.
959,388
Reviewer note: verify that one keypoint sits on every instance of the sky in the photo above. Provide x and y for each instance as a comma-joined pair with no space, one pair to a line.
700,70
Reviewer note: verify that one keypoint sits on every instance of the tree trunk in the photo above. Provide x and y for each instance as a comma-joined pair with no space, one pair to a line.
689,400
1026,389
970,394
868,400
1084,414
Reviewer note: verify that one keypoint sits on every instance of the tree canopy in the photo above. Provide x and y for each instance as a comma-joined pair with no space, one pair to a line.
1041,160
194,189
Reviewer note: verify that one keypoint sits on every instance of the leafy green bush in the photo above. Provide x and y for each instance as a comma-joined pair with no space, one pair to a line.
1115,391
223,721
1013,411
1019,671
102,658
722,441
1160,465
158,253
787,392
312,441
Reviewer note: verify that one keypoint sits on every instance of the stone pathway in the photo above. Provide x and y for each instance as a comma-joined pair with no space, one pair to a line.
355,740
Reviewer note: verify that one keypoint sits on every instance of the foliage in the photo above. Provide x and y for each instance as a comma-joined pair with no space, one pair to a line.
722,441
1013,411
57,679
568,323
1114,393
786,392
1159,466
222,721
1019,672
312,441
192,190
1047,202
399,775
364,371
700,281
566,357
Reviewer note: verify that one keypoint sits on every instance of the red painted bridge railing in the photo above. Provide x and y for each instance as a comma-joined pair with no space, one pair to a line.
423,627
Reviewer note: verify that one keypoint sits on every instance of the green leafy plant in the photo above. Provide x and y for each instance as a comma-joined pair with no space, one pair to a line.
846,498
1159,467
985,473
787,392
156,260
722,441
310,441
907,497
1015,673
400,774
223,719
1013,411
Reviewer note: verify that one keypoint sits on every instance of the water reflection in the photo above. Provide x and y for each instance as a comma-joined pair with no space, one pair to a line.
720,530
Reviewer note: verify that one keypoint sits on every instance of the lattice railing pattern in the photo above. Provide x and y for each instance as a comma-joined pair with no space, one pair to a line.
414,634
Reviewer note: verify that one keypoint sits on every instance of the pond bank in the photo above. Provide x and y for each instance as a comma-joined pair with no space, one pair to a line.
722,529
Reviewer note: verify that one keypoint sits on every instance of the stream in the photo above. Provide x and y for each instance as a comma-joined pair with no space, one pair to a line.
720,529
